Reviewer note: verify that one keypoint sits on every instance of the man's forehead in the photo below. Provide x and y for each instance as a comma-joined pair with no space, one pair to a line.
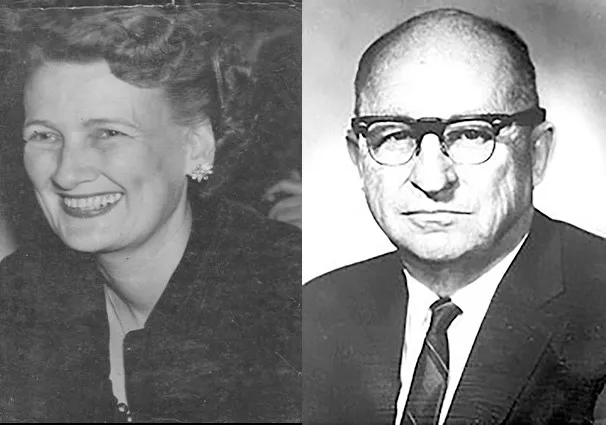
434,83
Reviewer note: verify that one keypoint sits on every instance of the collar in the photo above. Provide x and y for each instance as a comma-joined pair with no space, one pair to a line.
209,218
482,288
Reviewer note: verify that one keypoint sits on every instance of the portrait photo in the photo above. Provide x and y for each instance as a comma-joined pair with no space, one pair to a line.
566,46
150,211
453,249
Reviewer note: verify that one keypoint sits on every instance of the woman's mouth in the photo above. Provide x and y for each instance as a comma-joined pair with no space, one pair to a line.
90,206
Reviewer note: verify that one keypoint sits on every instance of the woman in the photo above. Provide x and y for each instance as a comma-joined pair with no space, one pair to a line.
165,305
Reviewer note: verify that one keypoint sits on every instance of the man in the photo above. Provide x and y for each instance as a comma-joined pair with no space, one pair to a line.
488,312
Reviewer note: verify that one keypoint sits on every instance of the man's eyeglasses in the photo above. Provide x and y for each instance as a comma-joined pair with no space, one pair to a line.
468,139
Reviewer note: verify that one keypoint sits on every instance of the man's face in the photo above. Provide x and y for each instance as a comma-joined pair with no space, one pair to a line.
430,207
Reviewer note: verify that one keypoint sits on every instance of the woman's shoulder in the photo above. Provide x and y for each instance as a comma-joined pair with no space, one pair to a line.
23,287
238,225
33,259
39,275
24,261
248,256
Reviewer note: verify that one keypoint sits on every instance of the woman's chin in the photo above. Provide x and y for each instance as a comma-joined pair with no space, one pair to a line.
84,243
82,247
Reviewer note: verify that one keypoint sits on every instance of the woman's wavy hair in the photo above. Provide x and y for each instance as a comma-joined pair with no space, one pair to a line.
186,53
190,54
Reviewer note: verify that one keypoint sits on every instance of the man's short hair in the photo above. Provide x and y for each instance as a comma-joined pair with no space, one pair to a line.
521,92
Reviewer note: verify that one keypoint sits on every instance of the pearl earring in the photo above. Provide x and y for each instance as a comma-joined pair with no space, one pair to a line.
201,172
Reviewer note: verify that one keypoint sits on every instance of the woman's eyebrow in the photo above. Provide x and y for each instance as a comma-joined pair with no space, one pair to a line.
97,121
46,123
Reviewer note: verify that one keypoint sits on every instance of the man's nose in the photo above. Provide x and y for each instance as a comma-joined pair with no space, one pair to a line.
75,165
433,172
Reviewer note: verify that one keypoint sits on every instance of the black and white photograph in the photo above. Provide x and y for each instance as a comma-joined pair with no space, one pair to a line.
151,211
454,260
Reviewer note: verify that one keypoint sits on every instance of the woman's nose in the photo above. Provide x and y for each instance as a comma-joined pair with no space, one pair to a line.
75,165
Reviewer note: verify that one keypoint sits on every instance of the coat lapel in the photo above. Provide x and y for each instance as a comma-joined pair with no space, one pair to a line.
387,337
514,333
374,343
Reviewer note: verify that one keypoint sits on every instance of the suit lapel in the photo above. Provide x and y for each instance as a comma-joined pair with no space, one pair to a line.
514,332
379,345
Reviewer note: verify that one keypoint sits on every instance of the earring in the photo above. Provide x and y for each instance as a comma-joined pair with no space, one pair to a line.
201,172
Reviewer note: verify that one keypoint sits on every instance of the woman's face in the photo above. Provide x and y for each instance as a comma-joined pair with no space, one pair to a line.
106,159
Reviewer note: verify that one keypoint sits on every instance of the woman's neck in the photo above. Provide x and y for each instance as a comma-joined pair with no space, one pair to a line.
140,276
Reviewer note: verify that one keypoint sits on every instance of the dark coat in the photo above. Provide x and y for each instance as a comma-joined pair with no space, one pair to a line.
223,343
540,355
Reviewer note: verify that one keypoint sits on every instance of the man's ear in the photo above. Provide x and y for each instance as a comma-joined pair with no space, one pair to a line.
200,146
543,144
353,146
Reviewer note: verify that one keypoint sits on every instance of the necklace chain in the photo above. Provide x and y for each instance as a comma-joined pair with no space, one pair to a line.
122,410
111,300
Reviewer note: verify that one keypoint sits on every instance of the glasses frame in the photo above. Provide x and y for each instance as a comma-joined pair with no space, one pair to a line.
431,125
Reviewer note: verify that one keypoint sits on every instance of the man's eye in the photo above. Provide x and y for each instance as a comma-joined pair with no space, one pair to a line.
470,136
394,137
398,136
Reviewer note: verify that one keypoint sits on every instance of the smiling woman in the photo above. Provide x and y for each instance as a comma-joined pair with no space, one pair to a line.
91,137
163,302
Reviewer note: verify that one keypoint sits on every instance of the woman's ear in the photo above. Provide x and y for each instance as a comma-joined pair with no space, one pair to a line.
200,147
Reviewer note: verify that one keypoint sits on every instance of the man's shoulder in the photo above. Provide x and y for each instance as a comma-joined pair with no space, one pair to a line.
583,254
579,262
359,292
360,274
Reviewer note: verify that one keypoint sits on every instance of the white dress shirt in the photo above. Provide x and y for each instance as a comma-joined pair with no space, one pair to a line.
473,300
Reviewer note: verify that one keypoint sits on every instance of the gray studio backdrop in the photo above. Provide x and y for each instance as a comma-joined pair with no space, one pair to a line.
567,42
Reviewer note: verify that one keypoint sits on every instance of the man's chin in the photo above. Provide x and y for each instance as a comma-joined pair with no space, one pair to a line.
438,256
438,253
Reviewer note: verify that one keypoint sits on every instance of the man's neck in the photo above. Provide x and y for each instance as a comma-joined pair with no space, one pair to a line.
446,278
140,276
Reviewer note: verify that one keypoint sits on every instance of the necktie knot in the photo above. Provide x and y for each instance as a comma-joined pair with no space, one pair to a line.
443,312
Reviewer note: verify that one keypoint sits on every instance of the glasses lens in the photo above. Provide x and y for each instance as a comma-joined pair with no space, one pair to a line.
391,143
469,142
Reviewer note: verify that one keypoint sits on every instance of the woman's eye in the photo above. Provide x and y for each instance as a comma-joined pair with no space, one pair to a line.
41,136
109,134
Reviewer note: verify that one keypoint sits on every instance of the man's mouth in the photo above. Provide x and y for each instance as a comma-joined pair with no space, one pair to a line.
434,219
433,212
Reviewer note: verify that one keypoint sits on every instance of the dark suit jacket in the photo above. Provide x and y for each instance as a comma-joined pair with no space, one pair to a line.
223,343
540,355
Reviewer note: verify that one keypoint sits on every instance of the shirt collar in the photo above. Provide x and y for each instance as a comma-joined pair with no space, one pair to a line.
466,298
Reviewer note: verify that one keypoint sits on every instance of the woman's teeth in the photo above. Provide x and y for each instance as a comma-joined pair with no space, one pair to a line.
93,202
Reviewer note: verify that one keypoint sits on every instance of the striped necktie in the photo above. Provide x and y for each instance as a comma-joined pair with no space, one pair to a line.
431,373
